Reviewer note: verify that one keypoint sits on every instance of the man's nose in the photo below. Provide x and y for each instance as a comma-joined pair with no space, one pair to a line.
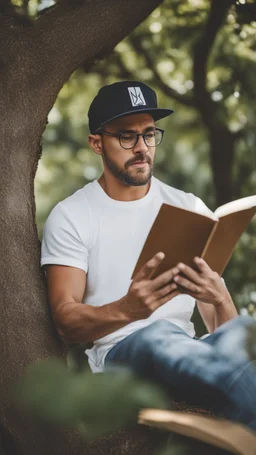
141,146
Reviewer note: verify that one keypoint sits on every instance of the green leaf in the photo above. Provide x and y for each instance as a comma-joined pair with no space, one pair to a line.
96,403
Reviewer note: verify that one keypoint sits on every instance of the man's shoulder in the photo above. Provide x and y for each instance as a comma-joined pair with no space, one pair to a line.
79,201
74,209
176,196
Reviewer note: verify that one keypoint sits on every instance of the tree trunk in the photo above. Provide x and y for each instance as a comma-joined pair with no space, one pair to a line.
222,141
35,61
222,149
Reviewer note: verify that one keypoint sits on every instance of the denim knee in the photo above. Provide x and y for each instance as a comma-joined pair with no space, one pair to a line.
231,338
242,321
159,330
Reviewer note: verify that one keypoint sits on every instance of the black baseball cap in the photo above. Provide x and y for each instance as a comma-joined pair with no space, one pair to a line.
123,98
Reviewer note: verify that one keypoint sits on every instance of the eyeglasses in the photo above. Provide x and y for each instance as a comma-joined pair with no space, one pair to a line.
128,140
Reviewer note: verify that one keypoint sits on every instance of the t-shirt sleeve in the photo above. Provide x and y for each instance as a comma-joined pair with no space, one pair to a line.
201,207
62,243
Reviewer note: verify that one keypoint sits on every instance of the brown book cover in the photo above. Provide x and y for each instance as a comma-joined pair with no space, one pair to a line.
182,234
221,433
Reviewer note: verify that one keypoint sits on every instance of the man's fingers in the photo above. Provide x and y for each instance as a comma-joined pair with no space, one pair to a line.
148,269
186,284
202,265
193,275
170,287
164,278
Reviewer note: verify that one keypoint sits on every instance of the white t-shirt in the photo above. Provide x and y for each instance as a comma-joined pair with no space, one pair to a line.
104,237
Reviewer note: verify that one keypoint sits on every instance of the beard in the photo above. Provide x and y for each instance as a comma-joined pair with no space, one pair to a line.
127,175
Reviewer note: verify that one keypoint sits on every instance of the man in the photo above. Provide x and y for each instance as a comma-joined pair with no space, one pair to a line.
91,244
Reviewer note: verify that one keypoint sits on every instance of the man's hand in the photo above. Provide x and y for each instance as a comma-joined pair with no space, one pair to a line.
203,284
145,295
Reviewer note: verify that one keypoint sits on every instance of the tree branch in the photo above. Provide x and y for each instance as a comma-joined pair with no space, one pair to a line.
69,34
25,6
119,70
167,90
222,140
202,51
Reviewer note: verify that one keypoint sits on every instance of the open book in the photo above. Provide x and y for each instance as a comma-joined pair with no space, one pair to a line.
182,234
221,433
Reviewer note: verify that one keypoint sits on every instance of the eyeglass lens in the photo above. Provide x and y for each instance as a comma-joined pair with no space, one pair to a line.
152,139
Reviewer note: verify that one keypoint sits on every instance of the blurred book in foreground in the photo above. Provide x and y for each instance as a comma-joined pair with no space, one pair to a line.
221,433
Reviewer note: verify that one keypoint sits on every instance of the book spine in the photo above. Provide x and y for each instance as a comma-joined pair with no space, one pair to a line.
209,239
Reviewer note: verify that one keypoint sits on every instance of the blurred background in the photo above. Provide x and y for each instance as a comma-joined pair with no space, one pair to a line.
209,143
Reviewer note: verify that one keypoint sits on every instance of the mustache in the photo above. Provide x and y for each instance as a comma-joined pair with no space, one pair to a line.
138,159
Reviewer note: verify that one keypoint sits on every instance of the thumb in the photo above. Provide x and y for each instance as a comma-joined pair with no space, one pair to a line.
147,270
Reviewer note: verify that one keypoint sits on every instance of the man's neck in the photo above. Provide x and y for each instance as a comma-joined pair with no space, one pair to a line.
121,192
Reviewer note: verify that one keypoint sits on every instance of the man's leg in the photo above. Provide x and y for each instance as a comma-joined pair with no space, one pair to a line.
193,369
230,340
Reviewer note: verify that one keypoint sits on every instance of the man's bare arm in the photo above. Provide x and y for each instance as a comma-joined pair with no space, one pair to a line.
215,316
82,323
207,313
77,322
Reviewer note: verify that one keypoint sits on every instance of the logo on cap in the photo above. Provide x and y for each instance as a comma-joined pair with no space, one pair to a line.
136,96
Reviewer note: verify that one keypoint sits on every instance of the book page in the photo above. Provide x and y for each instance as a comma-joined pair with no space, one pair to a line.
228,231
221,433
236,206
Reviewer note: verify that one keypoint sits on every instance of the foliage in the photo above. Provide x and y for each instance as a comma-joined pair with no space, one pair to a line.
29,8
101,403
160,52
95,404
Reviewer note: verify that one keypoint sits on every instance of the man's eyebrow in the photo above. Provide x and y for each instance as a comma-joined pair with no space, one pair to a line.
149,128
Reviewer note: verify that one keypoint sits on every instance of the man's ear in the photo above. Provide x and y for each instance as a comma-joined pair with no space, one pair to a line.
95,142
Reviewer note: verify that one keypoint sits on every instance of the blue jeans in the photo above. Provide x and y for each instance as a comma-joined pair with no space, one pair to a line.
214,372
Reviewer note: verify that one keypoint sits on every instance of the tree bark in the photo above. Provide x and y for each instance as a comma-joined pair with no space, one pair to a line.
222,150
35,60
222,140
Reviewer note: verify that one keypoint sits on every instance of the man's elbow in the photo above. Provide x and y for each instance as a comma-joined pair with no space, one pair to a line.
68,325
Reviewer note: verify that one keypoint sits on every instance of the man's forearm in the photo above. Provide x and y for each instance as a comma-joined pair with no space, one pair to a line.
224,311
82,323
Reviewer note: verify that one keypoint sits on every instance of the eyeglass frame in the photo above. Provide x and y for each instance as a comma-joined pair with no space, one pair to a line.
118,135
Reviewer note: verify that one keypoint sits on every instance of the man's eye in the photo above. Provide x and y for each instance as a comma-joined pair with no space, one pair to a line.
127,137
150,135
